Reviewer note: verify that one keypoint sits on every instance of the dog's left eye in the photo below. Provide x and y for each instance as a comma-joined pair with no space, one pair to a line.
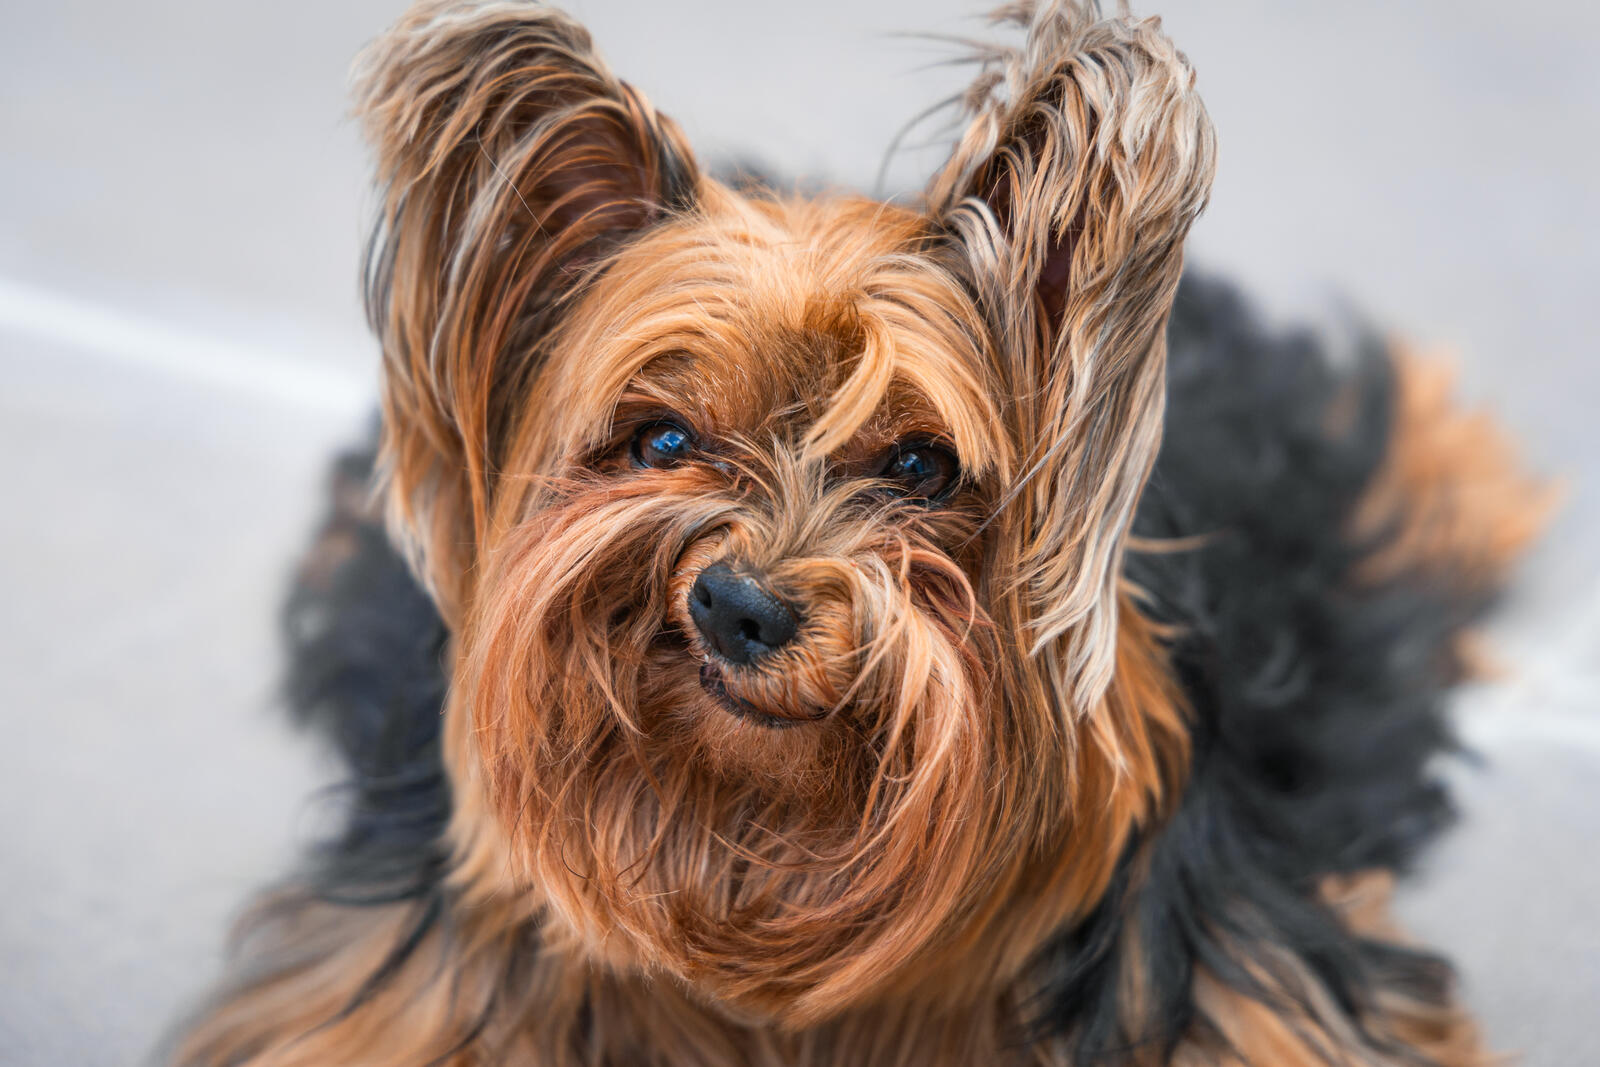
921,470
662,444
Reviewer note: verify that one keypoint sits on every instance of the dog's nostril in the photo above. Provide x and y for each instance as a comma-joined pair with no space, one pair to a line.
738,615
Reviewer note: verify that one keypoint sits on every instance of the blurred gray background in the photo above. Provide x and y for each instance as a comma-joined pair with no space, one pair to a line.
181,205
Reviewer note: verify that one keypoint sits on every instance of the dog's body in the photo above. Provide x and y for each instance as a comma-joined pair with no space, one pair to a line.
826,675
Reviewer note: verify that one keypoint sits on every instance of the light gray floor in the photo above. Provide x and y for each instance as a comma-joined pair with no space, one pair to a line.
180,212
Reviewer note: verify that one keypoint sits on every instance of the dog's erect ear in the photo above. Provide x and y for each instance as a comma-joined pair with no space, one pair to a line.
510,163
1068,198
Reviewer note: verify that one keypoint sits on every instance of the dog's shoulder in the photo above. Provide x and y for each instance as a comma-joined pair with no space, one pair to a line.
1320,552
1285,542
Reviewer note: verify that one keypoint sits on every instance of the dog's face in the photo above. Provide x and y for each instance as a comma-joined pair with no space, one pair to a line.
780,537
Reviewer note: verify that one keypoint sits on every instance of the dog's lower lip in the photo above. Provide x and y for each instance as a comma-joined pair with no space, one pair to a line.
711,682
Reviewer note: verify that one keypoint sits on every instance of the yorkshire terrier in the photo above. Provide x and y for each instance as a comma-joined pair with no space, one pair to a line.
826,631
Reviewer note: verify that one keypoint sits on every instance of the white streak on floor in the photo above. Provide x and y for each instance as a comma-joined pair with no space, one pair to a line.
303,382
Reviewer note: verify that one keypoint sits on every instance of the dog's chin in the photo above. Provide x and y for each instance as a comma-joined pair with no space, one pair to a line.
742,737
715,684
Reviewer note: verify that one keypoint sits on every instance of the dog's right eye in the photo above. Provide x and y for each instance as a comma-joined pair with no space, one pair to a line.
921,471
662,444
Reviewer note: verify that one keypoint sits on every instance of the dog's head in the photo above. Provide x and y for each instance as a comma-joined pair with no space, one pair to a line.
781,537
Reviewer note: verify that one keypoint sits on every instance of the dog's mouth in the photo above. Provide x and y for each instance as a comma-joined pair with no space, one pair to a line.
713,682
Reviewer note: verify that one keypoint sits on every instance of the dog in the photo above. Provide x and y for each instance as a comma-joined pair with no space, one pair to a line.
813,630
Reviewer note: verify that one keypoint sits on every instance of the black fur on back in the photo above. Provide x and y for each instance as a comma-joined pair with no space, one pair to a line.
366,668
1317,702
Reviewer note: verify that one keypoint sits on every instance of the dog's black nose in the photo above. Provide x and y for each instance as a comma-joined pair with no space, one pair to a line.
738,615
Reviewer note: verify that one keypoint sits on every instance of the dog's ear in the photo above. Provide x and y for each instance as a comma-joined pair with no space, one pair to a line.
1067,200
511,162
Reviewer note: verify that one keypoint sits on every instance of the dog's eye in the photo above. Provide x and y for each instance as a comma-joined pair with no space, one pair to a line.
662,444
921,470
